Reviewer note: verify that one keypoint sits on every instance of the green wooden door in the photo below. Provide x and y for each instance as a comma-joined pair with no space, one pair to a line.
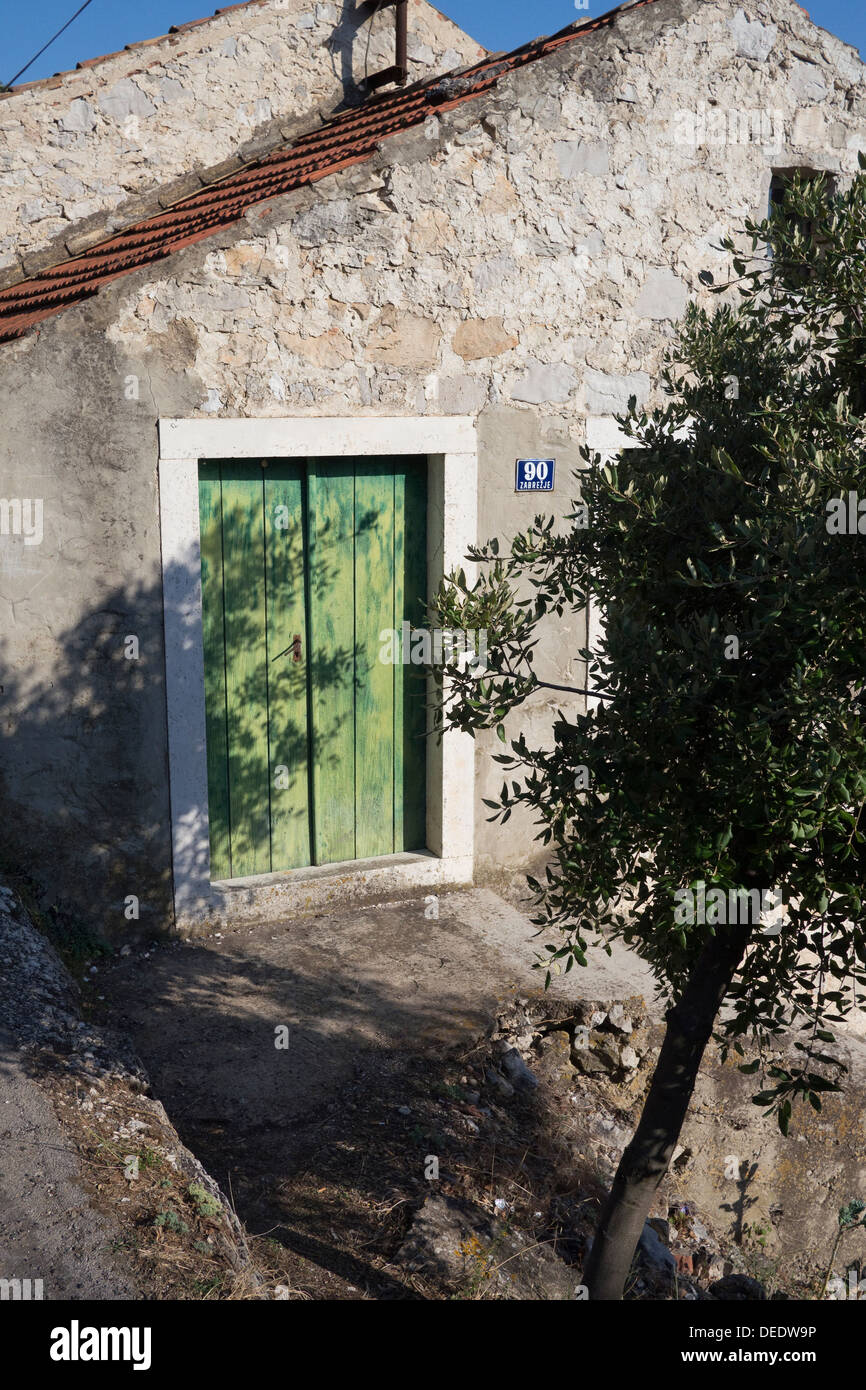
315,744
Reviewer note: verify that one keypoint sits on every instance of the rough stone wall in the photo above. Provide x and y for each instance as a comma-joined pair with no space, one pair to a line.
779,1196
120,126
523,259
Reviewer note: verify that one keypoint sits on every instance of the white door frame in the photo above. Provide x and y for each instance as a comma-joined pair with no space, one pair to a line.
450,444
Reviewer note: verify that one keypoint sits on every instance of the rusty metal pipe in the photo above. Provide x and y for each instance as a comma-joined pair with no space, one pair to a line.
401,55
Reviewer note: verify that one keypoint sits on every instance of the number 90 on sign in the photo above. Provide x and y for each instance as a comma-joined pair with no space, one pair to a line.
534,475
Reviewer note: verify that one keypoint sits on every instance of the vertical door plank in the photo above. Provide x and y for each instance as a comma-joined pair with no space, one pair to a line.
331,641
397,622
213,638
246,667
410,763
287,677
374,678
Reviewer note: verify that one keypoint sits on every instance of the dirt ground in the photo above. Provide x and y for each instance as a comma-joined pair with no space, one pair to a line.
318,1067
322,1143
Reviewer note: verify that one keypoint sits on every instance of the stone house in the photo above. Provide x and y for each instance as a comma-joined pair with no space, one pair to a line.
271,343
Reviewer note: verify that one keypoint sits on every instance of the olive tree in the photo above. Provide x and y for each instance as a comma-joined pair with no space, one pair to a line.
724,769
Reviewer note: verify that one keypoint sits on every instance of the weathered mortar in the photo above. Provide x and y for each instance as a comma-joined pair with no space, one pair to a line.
98,137
521,259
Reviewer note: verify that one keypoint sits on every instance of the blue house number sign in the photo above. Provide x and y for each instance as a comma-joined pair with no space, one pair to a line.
534,475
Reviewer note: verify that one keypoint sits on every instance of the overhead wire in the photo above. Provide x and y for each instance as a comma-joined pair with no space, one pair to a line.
80,9
369,36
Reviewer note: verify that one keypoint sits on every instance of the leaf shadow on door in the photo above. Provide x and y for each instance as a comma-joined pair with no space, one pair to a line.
257,666
338,660
314,739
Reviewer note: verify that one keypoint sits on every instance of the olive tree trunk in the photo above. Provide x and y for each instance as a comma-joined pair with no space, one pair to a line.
646,1160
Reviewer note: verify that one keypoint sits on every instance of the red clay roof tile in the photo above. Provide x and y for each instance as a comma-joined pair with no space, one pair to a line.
347,139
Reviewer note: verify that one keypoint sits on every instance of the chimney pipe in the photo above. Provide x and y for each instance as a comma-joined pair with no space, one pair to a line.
402,58
398,72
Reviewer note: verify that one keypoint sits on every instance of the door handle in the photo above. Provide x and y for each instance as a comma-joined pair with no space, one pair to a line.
294,648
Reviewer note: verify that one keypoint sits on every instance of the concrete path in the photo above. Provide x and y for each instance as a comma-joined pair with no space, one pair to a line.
48,1230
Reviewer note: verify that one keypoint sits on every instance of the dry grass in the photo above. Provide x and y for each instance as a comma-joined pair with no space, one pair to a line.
177,1240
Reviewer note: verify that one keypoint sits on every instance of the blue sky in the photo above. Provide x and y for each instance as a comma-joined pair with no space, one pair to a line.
107,25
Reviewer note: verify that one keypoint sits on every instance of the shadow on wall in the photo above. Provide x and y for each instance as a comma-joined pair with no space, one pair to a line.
738,1209
84,801
84,774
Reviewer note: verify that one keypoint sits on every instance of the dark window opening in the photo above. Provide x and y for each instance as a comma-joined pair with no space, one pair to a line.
780,184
